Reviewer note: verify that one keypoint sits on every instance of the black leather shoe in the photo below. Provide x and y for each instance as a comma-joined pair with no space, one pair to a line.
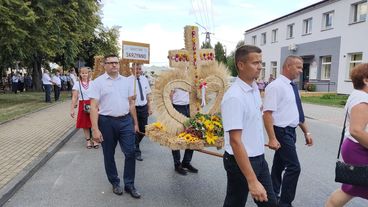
190,168
179,169
139,158
117,190
133,192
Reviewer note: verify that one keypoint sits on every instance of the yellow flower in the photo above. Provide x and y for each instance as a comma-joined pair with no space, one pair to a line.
217,124
215,118
159,125
211,138
202,119
209,126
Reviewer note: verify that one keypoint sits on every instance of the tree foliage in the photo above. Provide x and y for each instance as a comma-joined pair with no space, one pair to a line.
231,59
62,31
220,53
104,41
16,17
206,45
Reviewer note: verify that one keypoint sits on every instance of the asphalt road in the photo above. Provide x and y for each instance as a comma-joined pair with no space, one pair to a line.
75,176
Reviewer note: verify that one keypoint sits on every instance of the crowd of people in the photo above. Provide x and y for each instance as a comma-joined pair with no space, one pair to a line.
113,109
120,106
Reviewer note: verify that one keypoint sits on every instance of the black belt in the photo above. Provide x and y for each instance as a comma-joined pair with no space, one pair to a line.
141,106
288,127
250,158
115,117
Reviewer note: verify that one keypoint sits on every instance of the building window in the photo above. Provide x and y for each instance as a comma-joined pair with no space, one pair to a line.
326,68
263,71
274,35
274,69
263,38
290,31
354,59
307,26
327,20
254,40
359,12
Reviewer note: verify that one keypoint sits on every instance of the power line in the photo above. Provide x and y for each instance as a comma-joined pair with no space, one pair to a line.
195,13
205,12
199,11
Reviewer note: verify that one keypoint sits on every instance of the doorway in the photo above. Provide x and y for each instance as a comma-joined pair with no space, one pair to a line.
305,76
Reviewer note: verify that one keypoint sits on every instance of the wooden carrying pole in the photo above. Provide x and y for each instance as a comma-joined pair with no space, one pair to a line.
216,154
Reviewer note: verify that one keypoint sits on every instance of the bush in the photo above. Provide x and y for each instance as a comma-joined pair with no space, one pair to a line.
310,87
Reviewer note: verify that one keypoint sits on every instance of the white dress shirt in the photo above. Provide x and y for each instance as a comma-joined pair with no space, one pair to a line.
180,97
241,109
46,80
56,80
146,89
356,97
280,99
112,94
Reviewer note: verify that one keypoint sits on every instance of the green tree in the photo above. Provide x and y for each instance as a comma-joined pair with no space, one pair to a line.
104,41
59,30
15,19
206,45
231,59
220,53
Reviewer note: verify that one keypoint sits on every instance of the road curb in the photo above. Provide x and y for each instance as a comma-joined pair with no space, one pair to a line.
18,181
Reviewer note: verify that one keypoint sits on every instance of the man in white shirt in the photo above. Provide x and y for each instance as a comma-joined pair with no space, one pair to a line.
283,112
57,85
180,100
142,105
241,109
46,81
112,117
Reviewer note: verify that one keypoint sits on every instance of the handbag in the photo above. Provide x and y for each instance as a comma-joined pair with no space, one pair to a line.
86,107
347,173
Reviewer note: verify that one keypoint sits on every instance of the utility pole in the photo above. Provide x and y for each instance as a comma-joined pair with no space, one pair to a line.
208,34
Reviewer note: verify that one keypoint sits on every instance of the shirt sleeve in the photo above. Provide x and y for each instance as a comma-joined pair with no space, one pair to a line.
94,91
232,114
131,87
76,87
270,99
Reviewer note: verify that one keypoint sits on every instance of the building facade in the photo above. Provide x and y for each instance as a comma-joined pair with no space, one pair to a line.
330,36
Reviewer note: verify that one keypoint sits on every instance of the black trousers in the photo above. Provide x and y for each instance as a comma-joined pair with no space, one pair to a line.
237,185
285,160
142,116
47,88
56,92
118,130
188,154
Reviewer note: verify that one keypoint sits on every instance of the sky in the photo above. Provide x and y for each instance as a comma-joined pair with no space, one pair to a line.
160,23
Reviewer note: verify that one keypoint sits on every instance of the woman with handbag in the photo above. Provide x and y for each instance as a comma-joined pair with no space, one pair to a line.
354,149
80,93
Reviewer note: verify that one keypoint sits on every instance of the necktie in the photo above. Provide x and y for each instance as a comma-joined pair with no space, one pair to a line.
140,89
298,103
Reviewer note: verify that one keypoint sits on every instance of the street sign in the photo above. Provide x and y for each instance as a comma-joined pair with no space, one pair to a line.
136,52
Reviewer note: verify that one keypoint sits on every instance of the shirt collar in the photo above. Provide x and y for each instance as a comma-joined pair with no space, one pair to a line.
106,76
245,86
285,79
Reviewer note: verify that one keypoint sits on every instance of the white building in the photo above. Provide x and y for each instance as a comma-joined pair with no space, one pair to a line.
331,36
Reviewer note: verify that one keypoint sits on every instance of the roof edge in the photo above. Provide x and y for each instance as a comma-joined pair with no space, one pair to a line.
290,14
